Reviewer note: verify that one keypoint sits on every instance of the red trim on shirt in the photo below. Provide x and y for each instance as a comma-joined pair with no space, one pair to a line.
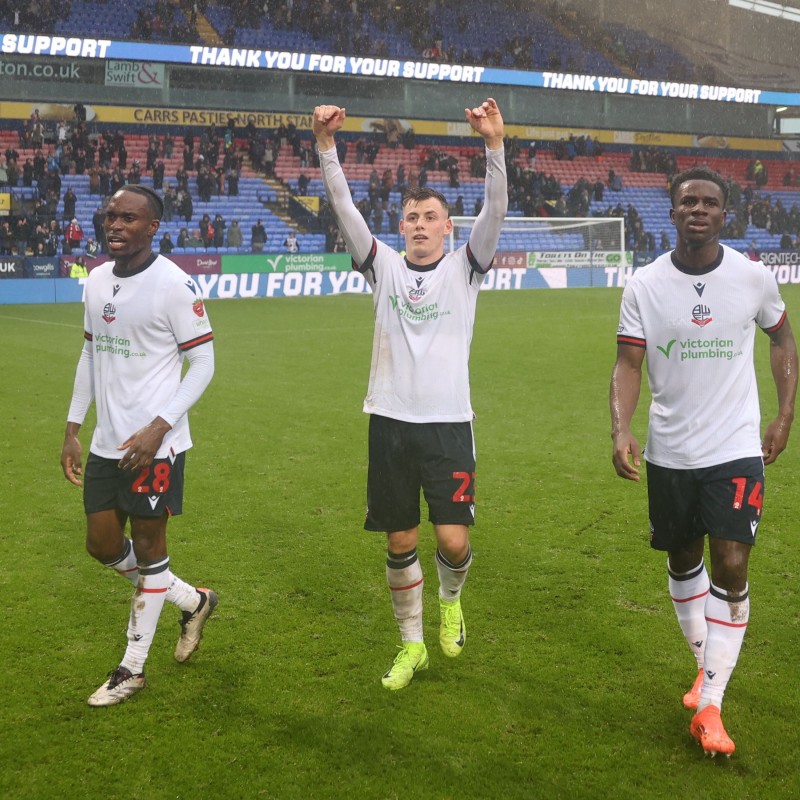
373,251
778,325
631,340
206,337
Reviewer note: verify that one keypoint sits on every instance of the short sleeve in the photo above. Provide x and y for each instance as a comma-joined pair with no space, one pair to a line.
772,312
187,315
630,330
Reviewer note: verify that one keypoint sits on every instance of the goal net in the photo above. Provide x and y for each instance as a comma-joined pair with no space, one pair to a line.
556,241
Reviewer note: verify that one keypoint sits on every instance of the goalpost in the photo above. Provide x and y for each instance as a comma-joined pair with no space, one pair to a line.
556,241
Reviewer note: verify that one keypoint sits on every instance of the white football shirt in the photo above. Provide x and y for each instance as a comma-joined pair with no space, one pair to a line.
424,319
424,315
698,329
138,327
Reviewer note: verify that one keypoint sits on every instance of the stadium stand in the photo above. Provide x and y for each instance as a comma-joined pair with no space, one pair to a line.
550,36
535,38
514,40
768,211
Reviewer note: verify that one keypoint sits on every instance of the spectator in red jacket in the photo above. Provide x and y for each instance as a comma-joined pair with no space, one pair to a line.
73,236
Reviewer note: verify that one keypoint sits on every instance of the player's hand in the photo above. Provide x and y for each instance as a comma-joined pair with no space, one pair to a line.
775,439
141,448
487,120
626,456
71,460
326,121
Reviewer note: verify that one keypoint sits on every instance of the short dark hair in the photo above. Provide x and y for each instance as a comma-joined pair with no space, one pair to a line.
698,174
154,201
420,195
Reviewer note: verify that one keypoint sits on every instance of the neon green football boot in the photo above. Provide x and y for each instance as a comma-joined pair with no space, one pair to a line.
452,631
412,658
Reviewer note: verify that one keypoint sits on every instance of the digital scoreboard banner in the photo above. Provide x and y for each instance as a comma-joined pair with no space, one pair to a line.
386,68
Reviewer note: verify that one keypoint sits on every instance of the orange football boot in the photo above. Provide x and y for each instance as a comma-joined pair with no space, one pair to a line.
708,729
692,698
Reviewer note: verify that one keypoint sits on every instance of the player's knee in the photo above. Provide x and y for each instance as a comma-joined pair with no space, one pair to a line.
100,550
402,541
453,541
729,570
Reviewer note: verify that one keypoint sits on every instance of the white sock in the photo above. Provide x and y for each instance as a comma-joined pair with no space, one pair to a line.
179,593
452,577
126,564
727,615
404,576
146,605
182,594
688,591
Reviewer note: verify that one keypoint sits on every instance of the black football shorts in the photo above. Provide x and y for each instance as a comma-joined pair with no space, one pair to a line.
404,457
724,501
149,492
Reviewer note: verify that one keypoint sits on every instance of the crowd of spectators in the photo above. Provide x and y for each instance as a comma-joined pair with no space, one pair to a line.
574,40
747,206
210,166
50,226
570,148
163,20
653,159
368,27
38,17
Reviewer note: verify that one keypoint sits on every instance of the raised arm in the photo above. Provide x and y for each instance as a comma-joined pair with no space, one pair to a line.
626,382
783,361
354,229
486,120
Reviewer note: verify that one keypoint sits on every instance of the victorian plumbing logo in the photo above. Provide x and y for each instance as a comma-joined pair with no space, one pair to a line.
701,349
424,313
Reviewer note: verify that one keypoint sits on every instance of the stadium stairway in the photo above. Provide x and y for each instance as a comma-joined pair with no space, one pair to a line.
205,30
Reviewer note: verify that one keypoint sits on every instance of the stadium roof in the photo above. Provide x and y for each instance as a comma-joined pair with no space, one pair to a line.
787,11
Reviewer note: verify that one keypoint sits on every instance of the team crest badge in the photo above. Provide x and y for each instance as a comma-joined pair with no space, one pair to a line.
417,293
198,308
109,313
701,315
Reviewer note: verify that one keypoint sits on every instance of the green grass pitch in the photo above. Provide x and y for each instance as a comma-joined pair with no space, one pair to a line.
571,681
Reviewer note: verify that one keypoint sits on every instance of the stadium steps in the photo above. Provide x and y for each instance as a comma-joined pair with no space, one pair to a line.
205,30
280,205
569,35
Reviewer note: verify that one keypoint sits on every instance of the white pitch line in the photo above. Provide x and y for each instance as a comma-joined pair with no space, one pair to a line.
39,321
